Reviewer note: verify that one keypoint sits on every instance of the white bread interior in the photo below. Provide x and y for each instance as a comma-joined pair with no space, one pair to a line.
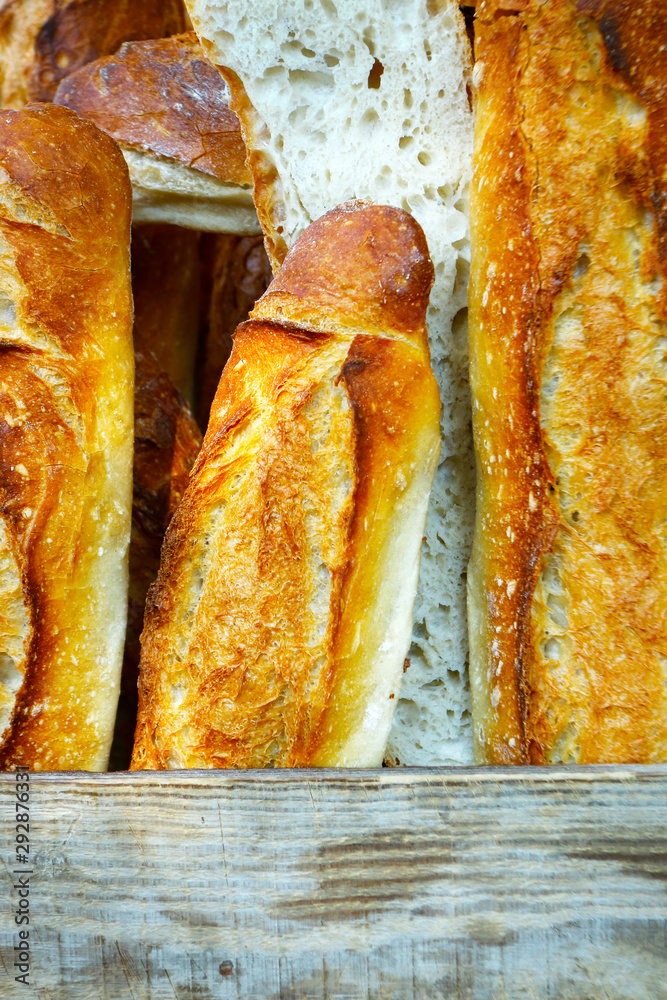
165,191
368,99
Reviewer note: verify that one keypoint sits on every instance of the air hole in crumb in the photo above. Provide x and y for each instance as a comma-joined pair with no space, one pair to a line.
370,118
424,159
321,81
557,610
582,265
7,311
460,324
462,276
375,75
551,649
405,141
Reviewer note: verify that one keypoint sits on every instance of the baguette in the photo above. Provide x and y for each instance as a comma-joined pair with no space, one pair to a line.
568,311
66,385
276,632
43,41
167,107
365,99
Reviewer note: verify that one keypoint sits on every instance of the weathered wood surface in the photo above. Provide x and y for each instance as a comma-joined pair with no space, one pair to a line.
468,883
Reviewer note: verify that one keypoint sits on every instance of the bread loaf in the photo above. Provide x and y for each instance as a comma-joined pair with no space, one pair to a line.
368,99
167,107
568,311
43,41
66,385
277,629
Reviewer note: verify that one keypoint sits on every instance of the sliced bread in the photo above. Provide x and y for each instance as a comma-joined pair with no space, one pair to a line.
369,99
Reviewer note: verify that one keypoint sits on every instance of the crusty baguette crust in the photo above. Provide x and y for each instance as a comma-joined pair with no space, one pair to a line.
166,105
276,631
66,387
43,41
163,97
568,304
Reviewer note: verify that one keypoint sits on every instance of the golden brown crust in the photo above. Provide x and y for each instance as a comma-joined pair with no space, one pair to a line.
237,273
43,41
568,581
165,97
268,638
66,381
395,408
165,286
336,249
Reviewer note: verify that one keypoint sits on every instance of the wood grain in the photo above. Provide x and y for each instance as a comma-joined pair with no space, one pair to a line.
473,884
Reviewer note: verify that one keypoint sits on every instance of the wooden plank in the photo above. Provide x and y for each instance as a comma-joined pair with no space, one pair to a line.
468,883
